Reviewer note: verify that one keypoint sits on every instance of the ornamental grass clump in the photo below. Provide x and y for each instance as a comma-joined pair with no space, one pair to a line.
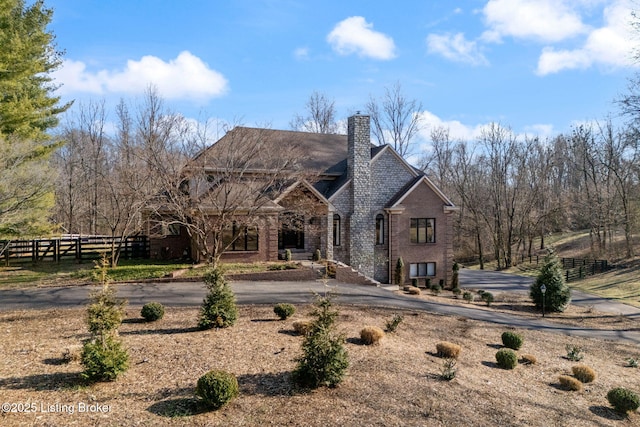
152,311
217,388
507,358
302,327
218,308
528,359
284,310
623,400
570,383
448,350
584,373
371,335
512,340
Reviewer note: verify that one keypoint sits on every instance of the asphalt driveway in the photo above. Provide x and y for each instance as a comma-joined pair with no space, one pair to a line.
186,294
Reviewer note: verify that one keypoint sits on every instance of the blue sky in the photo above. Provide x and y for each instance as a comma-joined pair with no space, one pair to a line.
538,66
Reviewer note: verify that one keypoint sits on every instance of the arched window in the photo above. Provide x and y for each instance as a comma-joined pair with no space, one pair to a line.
379,229
336,230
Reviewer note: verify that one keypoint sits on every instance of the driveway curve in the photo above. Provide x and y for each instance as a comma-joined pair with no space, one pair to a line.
189,294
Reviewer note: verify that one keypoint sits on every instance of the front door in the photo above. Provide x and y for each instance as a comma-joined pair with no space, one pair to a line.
291,234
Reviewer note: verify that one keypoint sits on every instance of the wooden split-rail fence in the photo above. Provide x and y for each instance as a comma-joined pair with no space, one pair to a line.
574,268
78,248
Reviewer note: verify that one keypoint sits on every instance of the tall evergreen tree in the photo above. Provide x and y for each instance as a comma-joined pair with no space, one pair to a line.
557,295
27,57
28,109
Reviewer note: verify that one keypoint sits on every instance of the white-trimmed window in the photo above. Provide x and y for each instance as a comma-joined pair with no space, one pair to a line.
422,269
423,230
336,230
379,229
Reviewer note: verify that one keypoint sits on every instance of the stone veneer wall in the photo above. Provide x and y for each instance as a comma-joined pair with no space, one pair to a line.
361,232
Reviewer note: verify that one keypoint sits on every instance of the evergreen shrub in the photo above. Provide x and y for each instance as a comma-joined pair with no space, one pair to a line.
104,359
152,311
623,400
512,340
217,388
284,310
218,308
507,358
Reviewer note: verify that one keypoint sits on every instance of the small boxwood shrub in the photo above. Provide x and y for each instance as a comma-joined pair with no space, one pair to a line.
584,373
528,359
302,327
467,296
487,297
435,289
570,383
371,335
103,359
448,350
512,340
152,311
317,255
287,255
507,358
284,310
217,388
623,400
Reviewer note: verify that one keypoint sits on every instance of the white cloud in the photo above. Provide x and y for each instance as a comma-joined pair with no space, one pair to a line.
457,130
545,20
301,53
185,77
355,35
610,45
456,48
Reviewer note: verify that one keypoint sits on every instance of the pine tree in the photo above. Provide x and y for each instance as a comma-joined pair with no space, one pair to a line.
28,110
27,57
558,294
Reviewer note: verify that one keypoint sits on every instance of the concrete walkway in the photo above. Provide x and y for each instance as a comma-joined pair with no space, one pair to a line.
184,294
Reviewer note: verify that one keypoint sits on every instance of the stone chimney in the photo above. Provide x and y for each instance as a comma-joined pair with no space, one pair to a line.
361,223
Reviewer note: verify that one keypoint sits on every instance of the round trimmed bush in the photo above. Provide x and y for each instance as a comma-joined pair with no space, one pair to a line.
507,358
512,340
152,311
284,310
487,297
371,335
467,296
623,400
584,373
217,388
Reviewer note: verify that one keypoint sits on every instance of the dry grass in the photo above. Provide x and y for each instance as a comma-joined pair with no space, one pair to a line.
394,383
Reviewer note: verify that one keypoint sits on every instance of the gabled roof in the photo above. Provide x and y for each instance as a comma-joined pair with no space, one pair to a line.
324,153
412,185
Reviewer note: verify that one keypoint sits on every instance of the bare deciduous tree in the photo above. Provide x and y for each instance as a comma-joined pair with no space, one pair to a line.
395,119
320,116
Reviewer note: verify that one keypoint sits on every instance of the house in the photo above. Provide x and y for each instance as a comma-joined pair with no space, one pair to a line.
363,205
